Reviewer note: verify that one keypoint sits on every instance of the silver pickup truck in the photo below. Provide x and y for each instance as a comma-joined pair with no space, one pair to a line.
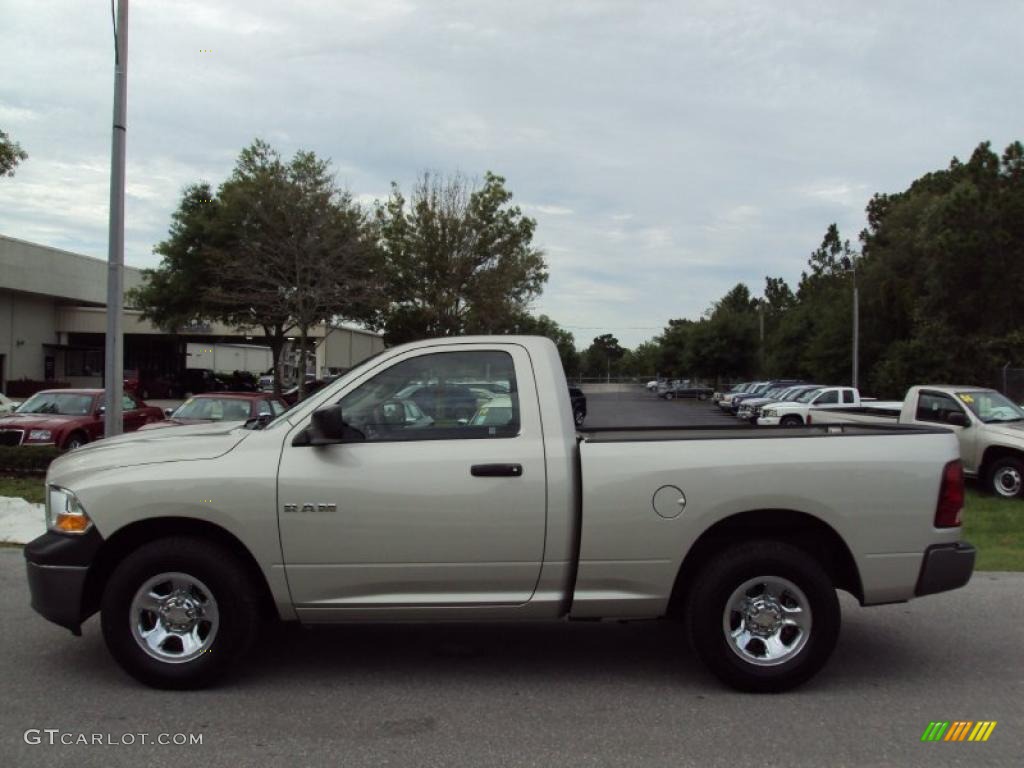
485,503
989,428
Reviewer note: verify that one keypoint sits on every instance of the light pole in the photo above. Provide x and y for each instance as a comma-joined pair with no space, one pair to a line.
113,369
856,327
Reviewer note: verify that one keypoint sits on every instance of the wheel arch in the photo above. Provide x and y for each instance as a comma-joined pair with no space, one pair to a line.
126,540
813,535
993,453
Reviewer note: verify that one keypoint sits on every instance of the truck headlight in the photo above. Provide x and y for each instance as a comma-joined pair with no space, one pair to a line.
41,435
769,412
64,512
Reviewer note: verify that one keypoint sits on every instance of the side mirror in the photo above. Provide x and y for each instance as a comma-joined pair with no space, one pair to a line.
958,419
326,427
100,411
168,412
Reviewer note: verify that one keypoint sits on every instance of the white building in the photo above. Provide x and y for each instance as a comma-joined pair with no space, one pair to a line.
53,323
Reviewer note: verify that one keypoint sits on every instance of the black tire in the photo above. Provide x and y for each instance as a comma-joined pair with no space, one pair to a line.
723,576
702,396
1005,478
75,440
229,584
670,396
791,421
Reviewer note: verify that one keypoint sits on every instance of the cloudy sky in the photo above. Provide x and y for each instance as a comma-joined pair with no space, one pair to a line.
666,149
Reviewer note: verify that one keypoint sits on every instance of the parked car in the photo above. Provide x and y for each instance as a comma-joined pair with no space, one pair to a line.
988,425
69,418
579,405
725,401
7,405
291,396
652,385
685,389
183,537
196,381
447,403
750,409
793,414
735,389
221,406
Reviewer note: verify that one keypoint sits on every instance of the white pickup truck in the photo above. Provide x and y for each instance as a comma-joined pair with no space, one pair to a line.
343,510
794,413
989,428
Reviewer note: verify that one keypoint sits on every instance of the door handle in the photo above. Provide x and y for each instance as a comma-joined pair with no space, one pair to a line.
496,470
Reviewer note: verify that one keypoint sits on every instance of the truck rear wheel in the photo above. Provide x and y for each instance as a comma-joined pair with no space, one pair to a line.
1006,477
179,613
763,616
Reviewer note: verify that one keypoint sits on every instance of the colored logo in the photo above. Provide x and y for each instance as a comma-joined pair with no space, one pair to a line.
959,730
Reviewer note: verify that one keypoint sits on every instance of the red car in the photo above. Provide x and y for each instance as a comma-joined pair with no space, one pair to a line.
69,418
222,406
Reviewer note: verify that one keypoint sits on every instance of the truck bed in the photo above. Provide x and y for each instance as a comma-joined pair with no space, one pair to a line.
742,432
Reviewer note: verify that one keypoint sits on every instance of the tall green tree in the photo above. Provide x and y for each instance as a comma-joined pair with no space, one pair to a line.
279,247
458,258
602,356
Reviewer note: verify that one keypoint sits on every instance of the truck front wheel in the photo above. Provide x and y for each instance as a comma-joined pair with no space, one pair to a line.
763,616
1006,477
178,613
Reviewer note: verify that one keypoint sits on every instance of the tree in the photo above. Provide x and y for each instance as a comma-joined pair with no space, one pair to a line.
300,252
11,154
458,258
279,246
564,340
602,355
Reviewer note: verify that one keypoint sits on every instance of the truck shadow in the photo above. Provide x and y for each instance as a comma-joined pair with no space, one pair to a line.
652,654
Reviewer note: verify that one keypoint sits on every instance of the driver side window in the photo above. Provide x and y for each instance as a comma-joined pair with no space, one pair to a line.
440,396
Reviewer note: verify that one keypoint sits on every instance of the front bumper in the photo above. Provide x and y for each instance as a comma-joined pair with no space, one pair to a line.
945,567
768,421
57,566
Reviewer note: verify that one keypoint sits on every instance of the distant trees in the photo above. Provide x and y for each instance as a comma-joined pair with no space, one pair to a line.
11,154
940,274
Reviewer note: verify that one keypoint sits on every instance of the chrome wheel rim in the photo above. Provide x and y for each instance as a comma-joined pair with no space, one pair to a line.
767,621
174,617
1007,481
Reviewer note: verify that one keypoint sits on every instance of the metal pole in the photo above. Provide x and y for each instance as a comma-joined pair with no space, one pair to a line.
113,369
856,330
760,307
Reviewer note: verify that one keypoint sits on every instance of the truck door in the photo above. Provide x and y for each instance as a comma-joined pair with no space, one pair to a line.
935,408
442,508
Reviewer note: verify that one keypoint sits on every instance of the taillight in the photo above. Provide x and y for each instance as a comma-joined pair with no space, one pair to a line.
951,496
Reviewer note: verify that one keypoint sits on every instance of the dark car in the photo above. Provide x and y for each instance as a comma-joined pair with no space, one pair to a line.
222,406
579,405
685,390
291,396
69,418
444,402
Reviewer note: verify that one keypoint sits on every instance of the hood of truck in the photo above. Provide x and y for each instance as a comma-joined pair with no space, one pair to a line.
1012,431
185,443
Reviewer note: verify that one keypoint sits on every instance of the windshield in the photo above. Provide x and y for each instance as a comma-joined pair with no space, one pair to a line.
807,396
64,404
213,409
991,407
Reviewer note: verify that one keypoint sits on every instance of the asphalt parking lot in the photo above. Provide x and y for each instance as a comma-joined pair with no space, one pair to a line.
635,407
532,694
